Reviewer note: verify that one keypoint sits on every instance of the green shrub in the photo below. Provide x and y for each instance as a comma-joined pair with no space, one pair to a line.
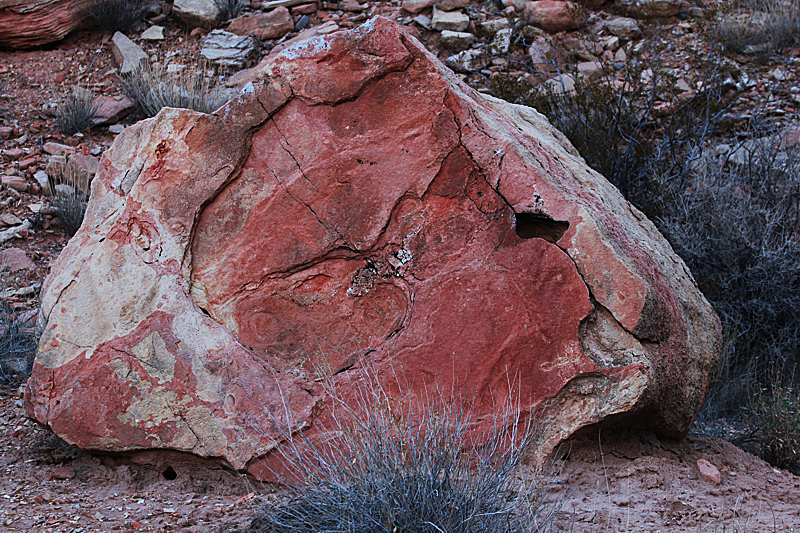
404,469
153,88
117,15
17,347
76,112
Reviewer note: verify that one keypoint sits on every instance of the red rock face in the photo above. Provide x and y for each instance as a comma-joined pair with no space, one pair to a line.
359,208
32,23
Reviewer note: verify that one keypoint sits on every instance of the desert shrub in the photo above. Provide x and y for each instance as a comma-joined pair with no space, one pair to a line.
774,417
70,186
117,15
230,9
402,468
17,347
153,88
639,146
76,112
771,26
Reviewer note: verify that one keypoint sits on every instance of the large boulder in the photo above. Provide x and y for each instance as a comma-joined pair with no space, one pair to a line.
359,206
33,23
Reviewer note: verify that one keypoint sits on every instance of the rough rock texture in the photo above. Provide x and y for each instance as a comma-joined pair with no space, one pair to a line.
204,13
359,206
32,23
264,26
554,15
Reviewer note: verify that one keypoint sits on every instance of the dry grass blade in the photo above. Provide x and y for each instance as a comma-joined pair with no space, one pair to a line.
70,195
189,87
117,15
76,112
17,348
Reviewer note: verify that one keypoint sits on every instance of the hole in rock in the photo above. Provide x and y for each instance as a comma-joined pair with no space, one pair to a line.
532,225
169,474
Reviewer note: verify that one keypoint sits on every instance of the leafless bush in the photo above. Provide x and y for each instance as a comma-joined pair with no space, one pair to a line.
190,87
76,111
17,347
230,9
117,15
406,467
70,194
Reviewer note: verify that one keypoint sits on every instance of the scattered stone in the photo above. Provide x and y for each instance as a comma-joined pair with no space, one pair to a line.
55,148
590,70
15,259
611,43
6,132
501,42
457,40
153,33
66,472
564,84
203,13
623,27
111,110
351,6
128,55
229,50
470,60
13,153
43,181
415,6
33,23
18,183
490,27
554,16
649,8
449,20
423,21
9,219
468,234
16,232
302,23
327,28
708,471
27,162
450,5
264,26
116,128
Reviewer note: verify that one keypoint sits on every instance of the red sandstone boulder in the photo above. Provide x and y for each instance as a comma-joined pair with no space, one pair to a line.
264,26
31,23
359,206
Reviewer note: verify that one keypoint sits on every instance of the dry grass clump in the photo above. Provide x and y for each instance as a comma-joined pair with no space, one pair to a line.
17,348
230,9
76,112
406,467
70,186
152,88
770,27
117,15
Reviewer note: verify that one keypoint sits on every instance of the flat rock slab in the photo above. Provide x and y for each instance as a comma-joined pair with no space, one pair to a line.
358,207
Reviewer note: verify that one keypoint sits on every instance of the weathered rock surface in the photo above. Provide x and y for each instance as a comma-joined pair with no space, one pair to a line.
554,15
128,55
272,25
32,23
203,13
229,50
358,206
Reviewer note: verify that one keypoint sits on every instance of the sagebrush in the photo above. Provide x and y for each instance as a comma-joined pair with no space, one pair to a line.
384,466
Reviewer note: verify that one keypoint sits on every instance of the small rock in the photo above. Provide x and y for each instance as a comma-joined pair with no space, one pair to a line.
563,84
43,181
265,26
227,49
415,6
57,148
116,129
612,43
590,70
351,6
9,219
490,27
708,471
501,42
449,20
111,110
554,16
650,8
15,259
17,183
153,33
469,60
28,161
302,23
203,13
620,56
457,40
623,27
423,21
6,132
13,153
128,55
329,27
450,5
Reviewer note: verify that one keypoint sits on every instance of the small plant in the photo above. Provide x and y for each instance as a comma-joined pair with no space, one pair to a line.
230,9
770,27
774,417
76,112
70,195
17,347
403,468
189,87
117,15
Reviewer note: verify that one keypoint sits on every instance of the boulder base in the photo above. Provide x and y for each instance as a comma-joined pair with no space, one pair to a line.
359,207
